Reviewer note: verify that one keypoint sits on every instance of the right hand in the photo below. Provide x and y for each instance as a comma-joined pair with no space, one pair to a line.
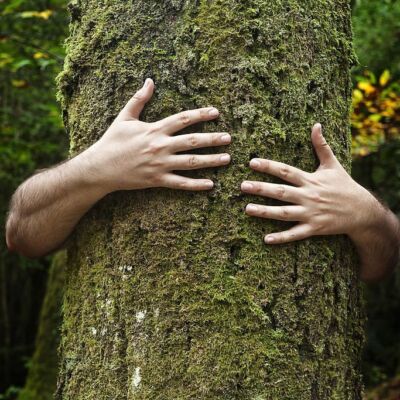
137,155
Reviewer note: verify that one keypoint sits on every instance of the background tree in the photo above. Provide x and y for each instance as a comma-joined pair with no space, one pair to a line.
43,369
31,137
173,295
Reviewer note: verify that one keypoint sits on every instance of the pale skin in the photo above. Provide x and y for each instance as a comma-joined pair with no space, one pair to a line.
328,202
135,155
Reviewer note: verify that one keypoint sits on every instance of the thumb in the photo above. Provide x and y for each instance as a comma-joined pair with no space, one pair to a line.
323,150
135,105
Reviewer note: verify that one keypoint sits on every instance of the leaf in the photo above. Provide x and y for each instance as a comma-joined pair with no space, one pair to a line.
20,64
13,5
46,14
39,55
375,117
358,95
19,83
385,78
366,87
5,59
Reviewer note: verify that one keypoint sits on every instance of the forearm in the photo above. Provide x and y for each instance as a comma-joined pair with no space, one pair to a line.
46,208
378,243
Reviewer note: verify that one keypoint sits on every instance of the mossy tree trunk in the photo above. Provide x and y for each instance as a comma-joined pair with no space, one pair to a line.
173,295
43,369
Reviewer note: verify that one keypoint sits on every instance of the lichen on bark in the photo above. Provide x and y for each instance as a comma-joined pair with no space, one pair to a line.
173,295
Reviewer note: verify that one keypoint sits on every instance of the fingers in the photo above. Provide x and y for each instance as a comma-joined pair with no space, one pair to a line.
285,193
135,105
195,161
199,140
323,150
177,122
287,213
298,232
173,181
285,172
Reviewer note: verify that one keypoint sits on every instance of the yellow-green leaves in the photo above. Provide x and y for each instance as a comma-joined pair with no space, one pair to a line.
46,14
376,113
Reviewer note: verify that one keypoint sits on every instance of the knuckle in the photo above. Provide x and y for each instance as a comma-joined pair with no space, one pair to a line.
184,185
157,179
284,171
203,113
324,143
288,237
155,147
184,118
316,227
264,212
291,237
257,187
215,138
193,161
284,213
193,141
281,237
153,128
215,161
157,163
315,197
138,97
280,192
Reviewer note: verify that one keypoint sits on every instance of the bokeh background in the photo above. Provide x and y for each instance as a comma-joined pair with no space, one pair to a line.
32,33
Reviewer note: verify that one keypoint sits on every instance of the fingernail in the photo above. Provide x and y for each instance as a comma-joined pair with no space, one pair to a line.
209,184
251,208
269,239
213,112
226,139
147,82
247,186
255,163
225,158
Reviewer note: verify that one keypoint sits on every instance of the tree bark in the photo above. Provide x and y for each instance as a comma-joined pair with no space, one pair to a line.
173,295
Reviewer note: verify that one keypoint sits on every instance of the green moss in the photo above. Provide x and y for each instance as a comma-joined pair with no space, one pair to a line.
173,295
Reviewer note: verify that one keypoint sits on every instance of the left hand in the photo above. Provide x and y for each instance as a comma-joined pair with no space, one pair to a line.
326,202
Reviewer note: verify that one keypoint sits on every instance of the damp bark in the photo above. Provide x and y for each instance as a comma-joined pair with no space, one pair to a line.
173,295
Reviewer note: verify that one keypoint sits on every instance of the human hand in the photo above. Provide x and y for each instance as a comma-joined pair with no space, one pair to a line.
136,155
326,202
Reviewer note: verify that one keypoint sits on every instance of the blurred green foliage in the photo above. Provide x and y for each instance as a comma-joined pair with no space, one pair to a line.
31,137
377,34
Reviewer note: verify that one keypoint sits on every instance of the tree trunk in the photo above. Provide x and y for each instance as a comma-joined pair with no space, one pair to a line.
43,370
173,295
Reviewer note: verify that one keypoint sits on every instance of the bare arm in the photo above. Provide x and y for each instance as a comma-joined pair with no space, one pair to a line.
45,209
131,155
378,242
329,202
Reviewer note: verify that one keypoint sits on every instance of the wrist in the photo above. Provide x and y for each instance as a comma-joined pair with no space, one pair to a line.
87,169
368,216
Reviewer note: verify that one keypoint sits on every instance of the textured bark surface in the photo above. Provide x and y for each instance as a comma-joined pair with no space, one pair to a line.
43,370
173,295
